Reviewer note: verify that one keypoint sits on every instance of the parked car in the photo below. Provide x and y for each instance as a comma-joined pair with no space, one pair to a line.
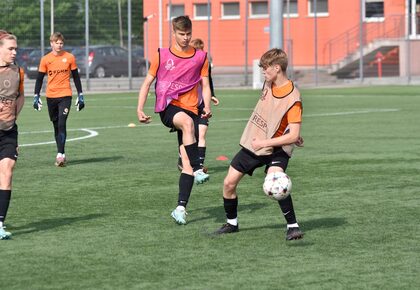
22,56
32,64
137,51
108,60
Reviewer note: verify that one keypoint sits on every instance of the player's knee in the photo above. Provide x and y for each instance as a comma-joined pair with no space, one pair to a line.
5,179
188,127
229,185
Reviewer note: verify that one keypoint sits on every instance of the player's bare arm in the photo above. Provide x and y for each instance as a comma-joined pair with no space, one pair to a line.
144,91
215,100
20,102
290,138
206,97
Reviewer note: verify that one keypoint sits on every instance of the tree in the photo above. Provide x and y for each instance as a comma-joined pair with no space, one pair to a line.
22,17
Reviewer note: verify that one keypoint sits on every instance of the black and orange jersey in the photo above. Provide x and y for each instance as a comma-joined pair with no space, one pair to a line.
58,68
294,115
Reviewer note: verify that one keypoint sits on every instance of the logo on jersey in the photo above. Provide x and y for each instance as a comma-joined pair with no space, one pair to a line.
64,59
259,121
7,84
5,103
169,64
57,71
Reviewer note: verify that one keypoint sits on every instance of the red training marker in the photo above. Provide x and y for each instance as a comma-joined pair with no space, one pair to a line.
222,158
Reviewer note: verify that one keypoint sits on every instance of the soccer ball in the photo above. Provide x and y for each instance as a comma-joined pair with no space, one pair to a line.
277,185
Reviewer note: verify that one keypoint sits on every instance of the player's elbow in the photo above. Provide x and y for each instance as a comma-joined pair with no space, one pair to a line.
293,137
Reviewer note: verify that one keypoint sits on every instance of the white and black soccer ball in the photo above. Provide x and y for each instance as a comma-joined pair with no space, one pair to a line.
277,185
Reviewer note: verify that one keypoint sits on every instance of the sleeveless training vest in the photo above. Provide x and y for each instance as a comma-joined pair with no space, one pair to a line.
9,92
266,118
176,76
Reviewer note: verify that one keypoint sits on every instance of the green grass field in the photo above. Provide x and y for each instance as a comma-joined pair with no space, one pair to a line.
103,222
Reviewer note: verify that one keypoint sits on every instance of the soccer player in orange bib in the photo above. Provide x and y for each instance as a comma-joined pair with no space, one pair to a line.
179,71
203,122
59,65
268,139
11,102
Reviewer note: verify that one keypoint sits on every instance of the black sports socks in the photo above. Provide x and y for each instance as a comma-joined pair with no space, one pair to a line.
4,203
192,153
286,206
231,207
186,182
202,154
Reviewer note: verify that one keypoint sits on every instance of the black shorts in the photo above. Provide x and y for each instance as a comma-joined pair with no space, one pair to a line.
58,107
167,117
202,121
246,162
9,143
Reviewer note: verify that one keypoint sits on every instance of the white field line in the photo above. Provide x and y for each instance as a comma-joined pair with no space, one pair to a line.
367,111
93,133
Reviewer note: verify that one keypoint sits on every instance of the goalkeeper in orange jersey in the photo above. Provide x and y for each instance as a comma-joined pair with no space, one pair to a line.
59,65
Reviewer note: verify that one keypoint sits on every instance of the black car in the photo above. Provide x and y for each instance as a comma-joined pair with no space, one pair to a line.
109,60
137,51
22,56
32,64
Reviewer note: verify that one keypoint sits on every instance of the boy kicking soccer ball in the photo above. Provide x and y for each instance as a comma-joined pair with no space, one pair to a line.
179,72
268,139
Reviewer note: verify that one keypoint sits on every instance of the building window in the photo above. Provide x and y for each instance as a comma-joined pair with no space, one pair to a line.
374,10
200,11
230,10
176,10
293,8
259,9
321,7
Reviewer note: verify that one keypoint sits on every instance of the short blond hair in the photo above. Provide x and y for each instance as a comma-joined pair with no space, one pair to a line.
274,56
6,35
57,36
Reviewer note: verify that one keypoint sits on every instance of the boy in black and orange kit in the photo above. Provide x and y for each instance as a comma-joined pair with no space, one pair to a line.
268,140
203,122
12,99
59,65
179,71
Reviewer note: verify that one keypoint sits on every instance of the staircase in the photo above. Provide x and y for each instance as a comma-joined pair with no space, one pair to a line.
381,38
388,50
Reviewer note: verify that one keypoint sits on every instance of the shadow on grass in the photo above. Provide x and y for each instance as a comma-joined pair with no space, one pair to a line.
323,223
218,212
221,168
48,224
94,160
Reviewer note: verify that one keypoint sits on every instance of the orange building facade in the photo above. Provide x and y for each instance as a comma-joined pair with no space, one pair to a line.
337,24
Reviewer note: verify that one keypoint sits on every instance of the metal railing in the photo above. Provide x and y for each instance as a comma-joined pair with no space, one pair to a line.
347,43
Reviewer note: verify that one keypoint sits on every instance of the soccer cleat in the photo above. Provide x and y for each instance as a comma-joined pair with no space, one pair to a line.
180,216
293,234
200,176
227,229
60,161
4,235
